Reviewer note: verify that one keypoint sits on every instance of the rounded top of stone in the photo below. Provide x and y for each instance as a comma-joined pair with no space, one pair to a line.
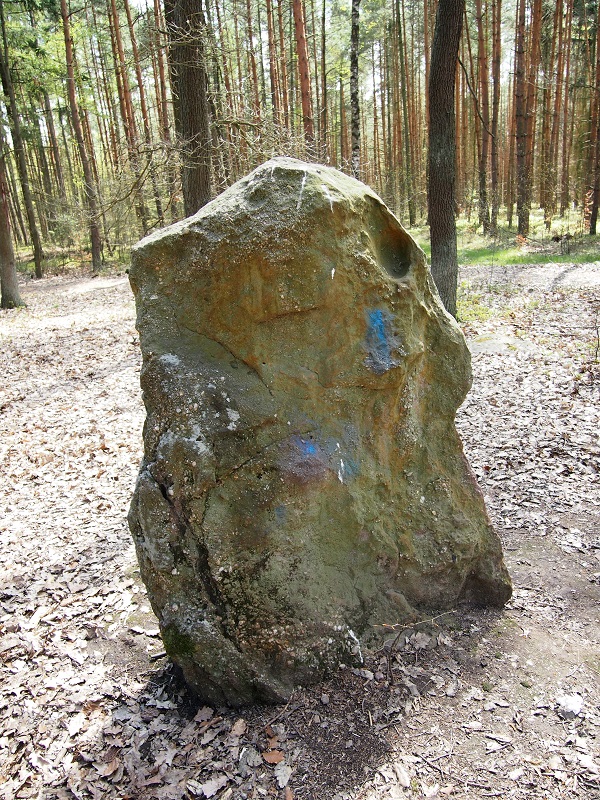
292,198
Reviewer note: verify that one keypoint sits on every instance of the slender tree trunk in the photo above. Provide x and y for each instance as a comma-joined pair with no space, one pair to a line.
63,115
17,138
252,60
317,86
185,23
144,112
408,136
521,125
569,101
496,77
442,149
127,113
354,91
47,198
161,98
18,221
532,93
283,72
545,184
9,283
304,70
114,134
56,160
90,189
509,167
163,110
273,77
427,53
343,128
596,161
484,103
376,142
324,121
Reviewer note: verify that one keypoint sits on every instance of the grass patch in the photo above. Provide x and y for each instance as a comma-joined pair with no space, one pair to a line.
71,262
471,305
506,249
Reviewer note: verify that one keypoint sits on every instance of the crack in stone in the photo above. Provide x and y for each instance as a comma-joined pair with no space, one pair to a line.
224,476
227,350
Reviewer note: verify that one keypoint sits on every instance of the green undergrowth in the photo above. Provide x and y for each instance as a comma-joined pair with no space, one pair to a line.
473,306
71,262
507,249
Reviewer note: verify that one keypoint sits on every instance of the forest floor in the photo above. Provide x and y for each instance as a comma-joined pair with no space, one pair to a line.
479,704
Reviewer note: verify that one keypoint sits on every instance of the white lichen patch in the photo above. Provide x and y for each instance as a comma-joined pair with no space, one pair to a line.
234,419
170,358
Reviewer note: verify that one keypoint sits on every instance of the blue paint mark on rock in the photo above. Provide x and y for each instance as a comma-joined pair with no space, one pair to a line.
307,447
380,341
303,460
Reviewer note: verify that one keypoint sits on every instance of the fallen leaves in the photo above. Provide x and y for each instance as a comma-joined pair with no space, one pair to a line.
273,756
491,705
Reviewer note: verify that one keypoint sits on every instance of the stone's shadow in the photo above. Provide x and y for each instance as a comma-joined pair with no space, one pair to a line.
333,736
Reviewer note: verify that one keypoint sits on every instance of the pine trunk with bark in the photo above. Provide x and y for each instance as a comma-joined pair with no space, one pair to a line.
19,148
407,137
304,72
595,170
484,102
89,186
186,29
522,177
442,149
354,90
9,283
145,115
496,77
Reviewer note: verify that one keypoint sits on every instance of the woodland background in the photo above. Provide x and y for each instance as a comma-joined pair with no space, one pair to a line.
120,116
94,153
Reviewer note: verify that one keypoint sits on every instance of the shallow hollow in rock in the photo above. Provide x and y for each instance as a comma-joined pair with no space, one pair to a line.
303,481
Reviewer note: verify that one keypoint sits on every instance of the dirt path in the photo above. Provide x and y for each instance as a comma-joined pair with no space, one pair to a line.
480,704
544,277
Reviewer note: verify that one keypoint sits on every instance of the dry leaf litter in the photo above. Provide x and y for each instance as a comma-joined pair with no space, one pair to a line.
470,704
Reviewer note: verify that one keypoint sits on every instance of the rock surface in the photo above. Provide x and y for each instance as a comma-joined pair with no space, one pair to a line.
303,481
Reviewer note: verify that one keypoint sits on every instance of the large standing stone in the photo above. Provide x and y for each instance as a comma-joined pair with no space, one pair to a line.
303,480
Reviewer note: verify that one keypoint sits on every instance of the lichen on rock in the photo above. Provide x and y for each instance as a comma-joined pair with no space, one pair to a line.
302,480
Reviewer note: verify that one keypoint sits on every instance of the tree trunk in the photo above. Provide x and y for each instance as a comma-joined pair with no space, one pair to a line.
273,77
343,127
545,183
354,91
90,189
163,108
442,149
56,161
521,125
283,74
127,113
496,59
566,148
596,161
185,24
324,121
144,112
17,138
407,138
9,284
484,98
304,70
252,62
532,93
